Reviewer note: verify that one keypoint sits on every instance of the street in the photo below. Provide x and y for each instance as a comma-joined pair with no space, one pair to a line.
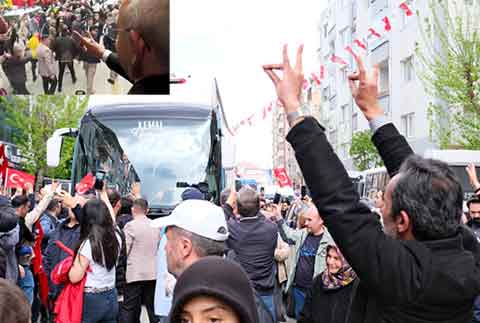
101,86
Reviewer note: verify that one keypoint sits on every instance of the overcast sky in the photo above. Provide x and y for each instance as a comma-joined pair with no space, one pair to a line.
230,40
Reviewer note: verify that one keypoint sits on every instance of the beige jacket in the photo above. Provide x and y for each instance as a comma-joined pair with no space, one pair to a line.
282,254
142,243
47,66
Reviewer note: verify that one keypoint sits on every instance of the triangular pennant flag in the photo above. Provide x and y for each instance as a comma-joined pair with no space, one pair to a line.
374,33
350,50
406,9
316,79
360,44
338,60
388,25
322,72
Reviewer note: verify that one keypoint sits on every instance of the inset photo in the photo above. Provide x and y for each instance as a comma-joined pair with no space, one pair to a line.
85,47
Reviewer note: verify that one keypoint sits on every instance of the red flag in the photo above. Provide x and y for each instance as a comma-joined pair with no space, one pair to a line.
316,79
322,72
338,60
282,177
37,264
350,50
360,44
386,21
374,33
16,178
305,84
406,9
3,163
85,184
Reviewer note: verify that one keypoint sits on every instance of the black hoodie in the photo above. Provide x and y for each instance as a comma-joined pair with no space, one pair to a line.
220,278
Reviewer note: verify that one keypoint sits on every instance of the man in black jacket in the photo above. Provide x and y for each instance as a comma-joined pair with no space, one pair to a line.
424,265
143,46
8,221
253,238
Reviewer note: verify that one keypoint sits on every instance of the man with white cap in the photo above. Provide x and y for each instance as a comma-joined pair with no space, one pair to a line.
195,229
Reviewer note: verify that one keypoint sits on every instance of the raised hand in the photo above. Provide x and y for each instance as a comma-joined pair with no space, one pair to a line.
289,88
90,45
364,87
472,176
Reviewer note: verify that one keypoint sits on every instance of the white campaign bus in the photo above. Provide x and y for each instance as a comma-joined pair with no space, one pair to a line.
166,143
458,161
377,178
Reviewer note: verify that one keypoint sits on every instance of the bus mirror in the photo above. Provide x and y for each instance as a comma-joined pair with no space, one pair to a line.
54,147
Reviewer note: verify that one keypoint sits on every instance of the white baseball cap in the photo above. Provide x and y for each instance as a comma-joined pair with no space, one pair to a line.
197,216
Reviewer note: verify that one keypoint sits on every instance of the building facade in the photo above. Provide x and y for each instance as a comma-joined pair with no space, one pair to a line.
401,93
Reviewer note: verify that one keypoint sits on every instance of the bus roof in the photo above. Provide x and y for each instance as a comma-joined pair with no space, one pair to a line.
130,109
454,157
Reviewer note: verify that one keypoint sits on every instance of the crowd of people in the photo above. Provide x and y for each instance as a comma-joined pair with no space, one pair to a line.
43,44
323,257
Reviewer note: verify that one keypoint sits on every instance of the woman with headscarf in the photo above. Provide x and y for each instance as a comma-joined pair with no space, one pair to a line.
213,289
330,298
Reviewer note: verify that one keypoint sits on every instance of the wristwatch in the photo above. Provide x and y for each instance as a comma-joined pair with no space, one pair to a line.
293,116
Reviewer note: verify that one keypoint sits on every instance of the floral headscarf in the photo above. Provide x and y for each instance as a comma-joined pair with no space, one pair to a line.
344,276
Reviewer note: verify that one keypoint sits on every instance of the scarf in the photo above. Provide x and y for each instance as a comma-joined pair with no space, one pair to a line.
344,276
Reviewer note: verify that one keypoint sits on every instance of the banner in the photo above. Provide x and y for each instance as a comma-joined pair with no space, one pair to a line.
85,184
282,177
16,178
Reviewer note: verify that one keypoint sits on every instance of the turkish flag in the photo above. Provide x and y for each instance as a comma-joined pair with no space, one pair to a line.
406,9
85,184
16,178
388,25
316,79
282,177
374,33
360,44
3,163
338,60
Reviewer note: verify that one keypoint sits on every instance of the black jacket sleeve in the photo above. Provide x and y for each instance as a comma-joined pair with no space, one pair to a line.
113,64
8,219
392,147
389,268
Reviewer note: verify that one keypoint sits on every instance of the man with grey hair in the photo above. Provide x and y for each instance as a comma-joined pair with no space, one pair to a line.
253,239
143,46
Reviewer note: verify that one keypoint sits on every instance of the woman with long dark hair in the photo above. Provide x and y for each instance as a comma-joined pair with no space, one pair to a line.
96,257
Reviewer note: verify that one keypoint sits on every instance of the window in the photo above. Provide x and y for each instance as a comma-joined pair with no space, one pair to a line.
333,138
333,104
384,77
344,38
325,31
344,75
355,121
408,129
384,102
407,67
326,94
343,116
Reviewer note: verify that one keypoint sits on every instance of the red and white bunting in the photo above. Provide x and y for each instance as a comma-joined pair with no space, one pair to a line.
338,60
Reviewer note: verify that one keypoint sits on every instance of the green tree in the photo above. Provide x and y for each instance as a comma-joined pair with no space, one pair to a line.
36,118
363,152
449,61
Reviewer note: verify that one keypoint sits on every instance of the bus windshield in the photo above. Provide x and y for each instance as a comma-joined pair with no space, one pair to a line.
159,153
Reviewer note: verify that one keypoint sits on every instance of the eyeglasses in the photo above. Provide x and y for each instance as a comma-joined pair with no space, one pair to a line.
118,30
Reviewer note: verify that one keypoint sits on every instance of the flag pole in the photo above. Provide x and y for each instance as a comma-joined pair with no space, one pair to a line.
6,178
